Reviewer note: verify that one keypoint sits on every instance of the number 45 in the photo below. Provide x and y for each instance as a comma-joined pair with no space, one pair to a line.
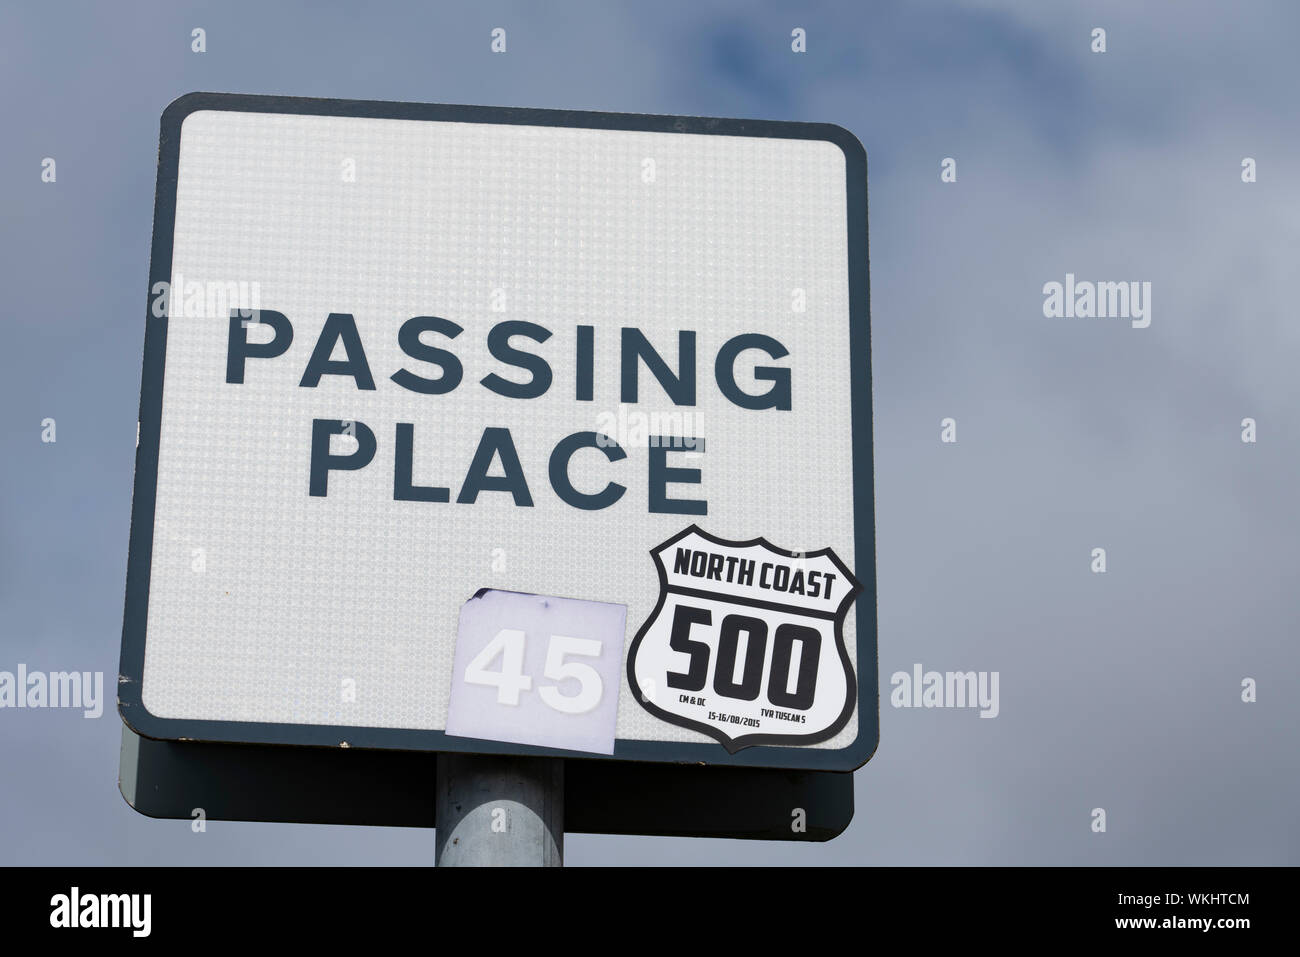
510,680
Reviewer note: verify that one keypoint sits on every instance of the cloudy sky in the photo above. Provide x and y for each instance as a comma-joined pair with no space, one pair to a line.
1120,691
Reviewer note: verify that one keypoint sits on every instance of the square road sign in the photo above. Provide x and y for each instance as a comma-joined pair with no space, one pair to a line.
399,357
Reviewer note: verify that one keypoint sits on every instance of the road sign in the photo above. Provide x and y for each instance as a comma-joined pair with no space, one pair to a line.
442,407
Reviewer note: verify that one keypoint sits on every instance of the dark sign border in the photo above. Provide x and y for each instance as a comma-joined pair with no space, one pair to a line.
130,681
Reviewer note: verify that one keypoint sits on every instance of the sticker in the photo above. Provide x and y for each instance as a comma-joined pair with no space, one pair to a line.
746,642
534,669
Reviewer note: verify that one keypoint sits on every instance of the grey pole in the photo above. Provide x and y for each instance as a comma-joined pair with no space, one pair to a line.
495,811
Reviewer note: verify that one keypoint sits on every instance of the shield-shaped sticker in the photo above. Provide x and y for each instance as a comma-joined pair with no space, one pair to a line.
746,642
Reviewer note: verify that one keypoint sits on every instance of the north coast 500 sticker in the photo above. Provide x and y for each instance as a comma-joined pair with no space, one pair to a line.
746,643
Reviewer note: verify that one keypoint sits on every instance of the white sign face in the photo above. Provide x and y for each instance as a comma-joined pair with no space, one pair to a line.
399,354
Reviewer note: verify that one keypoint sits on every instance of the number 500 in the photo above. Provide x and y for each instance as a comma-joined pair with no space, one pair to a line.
787,638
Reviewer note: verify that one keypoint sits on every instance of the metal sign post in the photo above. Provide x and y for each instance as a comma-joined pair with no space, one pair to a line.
497,811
